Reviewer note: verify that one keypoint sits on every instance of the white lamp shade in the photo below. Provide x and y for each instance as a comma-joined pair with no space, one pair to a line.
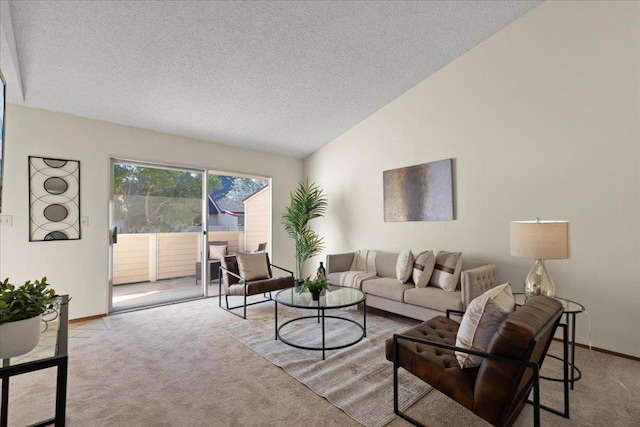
540,239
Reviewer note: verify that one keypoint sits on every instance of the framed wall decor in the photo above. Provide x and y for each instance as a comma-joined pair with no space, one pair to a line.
419,193
54,199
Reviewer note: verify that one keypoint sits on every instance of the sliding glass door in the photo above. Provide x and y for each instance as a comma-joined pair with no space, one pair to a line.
156,235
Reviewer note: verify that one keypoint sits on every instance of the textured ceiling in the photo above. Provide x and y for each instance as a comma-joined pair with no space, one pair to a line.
280,77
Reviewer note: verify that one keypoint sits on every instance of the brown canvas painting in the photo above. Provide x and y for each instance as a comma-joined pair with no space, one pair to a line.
419,193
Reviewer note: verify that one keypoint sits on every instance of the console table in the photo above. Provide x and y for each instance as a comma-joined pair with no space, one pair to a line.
57,357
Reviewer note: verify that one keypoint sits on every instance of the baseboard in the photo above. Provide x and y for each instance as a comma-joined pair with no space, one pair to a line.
602,350
84,319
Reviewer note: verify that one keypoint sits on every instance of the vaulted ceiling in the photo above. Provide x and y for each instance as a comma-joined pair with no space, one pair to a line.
284,77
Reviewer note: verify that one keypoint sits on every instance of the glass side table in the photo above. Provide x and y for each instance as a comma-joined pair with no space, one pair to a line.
571,308
51,351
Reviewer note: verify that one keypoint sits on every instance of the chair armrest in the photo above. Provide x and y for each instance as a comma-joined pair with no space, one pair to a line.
397,337
283,269
476,281
339,262
452,311
231,273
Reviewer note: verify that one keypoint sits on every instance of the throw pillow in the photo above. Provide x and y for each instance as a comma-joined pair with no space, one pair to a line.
447,270
404,266
217,251
481,321
253,266
423,268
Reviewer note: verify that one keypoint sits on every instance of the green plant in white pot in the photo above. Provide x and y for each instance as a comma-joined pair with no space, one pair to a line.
307,203
21,310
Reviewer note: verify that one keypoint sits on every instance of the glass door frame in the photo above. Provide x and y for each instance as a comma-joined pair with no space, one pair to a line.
203,236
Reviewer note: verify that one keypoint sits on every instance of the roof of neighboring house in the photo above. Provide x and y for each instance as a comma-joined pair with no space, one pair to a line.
224,204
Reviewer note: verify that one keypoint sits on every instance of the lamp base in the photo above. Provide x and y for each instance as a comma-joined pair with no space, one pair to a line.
539,281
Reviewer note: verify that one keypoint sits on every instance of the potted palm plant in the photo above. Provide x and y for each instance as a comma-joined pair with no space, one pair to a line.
21,310
307,202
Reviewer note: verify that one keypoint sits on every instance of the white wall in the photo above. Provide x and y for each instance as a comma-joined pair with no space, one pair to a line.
80,267
542,120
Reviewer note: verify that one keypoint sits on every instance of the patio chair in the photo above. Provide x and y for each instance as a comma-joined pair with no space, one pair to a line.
215,251
249,273
510,369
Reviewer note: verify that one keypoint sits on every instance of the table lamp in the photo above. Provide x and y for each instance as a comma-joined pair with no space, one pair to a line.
540,240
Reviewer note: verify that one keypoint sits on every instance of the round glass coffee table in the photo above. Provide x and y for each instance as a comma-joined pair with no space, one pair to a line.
333,298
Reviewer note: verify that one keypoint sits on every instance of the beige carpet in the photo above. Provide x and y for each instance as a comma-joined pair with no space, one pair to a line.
357,379
175,366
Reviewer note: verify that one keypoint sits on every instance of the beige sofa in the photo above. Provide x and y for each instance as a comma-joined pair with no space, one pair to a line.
385,292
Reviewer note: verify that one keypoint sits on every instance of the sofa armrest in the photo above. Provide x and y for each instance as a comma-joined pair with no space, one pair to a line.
337,263
475,281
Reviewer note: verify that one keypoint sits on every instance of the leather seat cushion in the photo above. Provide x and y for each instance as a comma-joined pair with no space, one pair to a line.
256,287
436,366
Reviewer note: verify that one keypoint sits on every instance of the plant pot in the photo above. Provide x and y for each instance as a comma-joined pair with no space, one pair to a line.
19,337
315,294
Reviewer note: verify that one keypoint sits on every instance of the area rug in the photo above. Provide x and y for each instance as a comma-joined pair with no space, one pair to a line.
357,379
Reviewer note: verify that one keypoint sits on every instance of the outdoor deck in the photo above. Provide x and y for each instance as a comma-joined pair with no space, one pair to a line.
133,295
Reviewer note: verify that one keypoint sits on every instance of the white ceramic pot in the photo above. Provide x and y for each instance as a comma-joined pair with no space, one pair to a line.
19,337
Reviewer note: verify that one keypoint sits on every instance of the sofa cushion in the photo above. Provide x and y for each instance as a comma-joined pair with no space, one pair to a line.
385,287
404,266
386,264
481,321
423,268
434,298
447,270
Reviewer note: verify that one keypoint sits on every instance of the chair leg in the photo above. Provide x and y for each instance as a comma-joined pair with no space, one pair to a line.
536,396
244,314
396,406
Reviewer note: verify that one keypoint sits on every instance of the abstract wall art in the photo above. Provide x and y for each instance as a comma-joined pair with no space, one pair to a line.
419,193
54,199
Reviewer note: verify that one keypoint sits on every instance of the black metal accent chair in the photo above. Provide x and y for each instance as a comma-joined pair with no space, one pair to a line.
233,284
497,389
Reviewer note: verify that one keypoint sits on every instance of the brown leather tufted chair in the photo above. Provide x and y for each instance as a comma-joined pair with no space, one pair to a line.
498,388
233,284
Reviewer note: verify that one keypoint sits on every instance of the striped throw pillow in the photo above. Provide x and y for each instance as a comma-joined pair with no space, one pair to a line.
447,270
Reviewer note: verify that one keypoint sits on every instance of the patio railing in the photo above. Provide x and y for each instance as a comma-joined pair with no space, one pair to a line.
147,257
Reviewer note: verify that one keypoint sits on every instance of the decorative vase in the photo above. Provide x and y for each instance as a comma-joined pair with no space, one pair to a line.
19,337
321,272
315,294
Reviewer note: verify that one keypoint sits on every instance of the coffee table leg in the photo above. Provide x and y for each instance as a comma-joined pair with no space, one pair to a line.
364,316
276,317
322,334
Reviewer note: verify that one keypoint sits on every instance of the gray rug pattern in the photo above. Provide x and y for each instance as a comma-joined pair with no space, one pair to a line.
357,379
